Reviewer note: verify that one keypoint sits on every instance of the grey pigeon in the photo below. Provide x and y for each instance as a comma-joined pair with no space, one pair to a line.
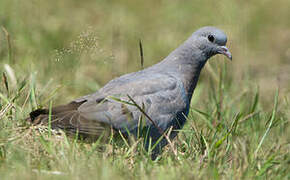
163,90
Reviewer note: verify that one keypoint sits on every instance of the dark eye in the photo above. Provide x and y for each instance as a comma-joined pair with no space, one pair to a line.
210,38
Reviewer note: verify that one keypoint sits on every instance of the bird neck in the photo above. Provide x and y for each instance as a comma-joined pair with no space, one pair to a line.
186,63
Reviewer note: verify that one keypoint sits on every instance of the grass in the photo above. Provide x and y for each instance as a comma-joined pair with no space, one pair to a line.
224,138
54,51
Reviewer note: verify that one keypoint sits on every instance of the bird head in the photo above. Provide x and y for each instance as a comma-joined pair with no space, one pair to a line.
211,41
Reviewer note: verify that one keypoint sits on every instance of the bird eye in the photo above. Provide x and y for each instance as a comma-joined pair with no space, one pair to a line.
210,38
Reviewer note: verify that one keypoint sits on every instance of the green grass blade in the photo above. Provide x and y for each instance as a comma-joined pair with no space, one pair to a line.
270,123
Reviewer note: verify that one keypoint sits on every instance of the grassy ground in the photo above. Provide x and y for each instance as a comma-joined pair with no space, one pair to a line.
55,51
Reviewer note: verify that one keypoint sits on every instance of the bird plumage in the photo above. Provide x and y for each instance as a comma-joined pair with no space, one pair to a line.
163,90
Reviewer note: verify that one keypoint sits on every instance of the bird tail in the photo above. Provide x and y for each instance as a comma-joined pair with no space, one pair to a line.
42,115
68,118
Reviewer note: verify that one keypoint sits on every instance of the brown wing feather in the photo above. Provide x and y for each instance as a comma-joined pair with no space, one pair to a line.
67,118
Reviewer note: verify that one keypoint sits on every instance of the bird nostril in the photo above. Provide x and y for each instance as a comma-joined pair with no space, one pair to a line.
224,49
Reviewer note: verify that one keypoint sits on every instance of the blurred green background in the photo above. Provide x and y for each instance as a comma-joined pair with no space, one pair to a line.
80,45
61,49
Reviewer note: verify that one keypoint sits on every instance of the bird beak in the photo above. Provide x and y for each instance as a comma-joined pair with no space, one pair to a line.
225,51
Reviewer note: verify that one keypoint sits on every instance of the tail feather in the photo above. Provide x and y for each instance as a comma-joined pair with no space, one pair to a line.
40,115
68,118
